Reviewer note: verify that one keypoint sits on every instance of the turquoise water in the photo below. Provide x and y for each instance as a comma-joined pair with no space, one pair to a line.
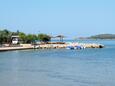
61,67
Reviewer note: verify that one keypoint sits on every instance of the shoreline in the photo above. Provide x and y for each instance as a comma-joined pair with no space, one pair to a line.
13,48
51,46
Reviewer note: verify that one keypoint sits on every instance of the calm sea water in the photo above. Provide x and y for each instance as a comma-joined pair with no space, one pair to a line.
61,67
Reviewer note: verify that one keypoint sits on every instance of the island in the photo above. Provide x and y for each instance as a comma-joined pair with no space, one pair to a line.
103,36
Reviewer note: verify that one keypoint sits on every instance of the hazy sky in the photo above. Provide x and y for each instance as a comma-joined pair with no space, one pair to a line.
68,17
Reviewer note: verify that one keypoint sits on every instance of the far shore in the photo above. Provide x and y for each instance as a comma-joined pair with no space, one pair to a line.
94,39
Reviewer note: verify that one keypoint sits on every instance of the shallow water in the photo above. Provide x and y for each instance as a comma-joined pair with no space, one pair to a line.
61,67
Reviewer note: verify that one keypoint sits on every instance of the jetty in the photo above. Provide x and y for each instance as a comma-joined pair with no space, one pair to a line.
50,46
65,45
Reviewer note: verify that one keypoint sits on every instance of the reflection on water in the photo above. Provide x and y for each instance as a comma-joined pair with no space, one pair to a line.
61,67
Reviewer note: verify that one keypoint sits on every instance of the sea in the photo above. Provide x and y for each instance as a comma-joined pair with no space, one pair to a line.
59,67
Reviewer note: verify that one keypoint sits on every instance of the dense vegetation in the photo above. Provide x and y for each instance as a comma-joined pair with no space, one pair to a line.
5,37
103,36
44,37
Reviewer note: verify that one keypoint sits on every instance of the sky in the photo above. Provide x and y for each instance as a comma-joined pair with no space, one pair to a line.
72,18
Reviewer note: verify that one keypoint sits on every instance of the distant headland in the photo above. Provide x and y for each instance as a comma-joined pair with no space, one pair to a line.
103,36
100,36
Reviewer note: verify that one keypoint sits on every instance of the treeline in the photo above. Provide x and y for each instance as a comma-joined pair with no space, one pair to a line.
103,36
6,37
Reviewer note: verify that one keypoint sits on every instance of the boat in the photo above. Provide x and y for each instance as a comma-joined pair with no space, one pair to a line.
75,47
70,47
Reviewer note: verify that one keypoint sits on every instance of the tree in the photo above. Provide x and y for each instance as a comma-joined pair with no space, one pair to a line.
30,38
5,36
16,33
22,37
44,37
1,37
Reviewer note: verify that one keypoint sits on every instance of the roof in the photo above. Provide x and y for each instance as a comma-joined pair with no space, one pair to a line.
15,36
60,36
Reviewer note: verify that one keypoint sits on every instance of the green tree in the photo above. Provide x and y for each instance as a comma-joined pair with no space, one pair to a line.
16,33
31,38
44,37
5,36
23,37
1,37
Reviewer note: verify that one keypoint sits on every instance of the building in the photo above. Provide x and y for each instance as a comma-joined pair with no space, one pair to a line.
15,39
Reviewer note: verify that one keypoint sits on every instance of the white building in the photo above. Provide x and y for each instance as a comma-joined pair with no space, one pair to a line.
15,39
